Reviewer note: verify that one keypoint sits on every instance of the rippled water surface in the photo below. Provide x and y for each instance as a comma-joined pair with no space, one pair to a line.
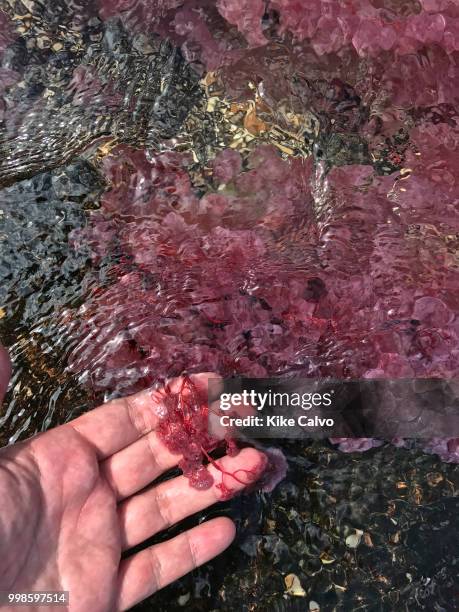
157,216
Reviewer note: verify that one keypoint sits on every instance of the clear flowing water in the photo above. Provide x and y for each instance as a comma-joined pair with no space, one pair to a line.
257,219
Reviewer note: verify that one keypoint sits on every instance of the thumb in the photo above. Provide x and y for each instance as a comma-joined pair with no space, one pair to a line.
5,371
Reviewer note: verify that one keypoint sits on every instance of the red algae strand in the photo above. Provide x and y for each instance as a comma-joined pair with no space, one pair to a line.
184,430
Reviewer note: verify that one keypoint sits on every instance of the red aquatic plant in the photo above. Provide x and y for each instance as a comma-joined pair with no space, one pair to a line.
245,281
185,429
285,264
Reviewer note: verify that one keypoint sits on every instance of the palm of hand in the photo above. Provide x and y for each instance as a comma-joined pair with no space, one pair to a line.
74,499
69,537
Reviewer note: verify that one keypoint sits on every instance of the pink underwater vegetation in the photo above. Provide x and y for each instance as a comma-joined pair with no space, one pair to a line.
355,445
193,269
246,281
246,15
370,27
282,266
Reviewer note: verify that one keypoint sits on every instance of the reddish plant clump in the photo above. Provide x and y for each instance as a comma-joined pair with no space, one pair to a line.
184,430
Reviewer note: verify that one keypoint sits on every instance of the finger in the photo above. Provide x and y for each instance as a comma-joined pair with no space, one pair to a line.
157,566
5,371
144,515
121,422
137,465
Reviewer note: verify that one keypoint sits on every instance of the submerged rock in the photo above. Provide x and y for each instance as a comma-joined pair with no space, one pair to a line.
116,91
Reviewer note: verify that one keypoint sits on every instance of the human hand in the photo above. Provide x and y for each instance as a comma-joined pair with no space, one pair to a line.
74,499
